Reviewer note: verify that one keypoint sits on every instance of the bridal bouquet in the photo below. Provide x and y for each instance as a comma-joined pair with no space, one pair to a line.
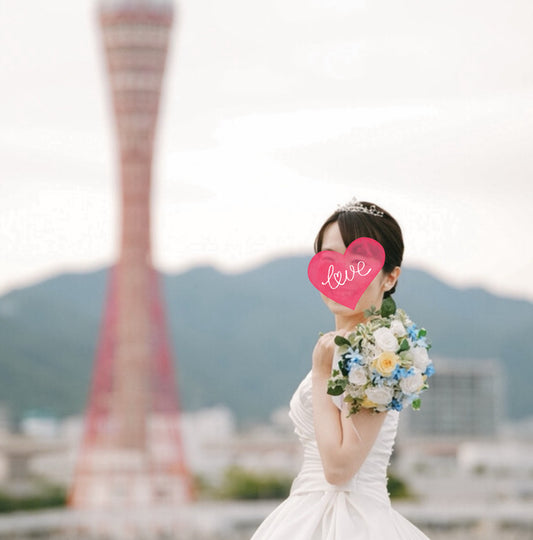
384,364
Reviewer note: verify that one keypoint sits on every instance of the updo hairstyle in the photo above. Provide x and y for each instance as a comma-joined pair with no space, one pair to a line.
384,229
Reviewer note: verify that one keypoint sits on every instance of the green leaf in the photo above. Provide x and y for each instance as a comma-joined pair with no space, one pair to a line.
372,312
340,340
404,345
336,386
335,390
388,307
422,332
416,404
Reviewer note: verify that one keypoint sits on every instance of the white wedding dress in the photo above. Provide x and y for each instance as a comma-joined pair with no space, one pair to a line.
357,510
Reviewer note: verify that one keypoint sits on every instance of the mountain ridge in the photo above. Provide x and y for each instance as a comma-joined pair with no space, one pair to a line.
240,339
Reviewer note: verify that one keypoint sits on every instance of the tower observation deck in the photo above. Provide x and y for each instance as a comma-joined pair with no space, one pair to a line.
132,451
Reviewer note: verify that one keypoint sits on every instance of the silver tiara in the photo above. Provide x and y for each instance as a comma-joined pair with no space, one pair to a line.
355,206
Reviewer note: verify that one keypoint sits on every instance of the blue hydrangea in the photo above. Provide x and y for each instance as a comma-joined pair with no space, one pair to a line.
377,379
396,405
400,372
412,331
422,342
429,370
352,356
348,363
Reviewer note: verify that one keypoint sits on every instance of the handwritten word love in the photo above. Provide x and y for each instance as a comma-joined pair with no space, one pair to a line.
344,277
337,276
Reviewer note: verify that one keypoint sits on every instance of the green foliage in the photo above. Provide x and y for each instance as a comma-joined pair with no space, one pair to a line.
337,384
404,345
388,307
239,483
340,341
336,389
372,312
203,488
45,497
397,488
480,469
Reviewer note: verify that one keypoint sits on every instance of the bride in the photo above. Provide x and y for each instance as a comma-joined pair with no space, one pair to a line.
340,492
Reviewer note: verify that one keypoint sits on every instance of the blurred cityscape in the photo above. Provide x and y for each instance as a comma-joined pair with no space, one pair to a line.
460,469
466,472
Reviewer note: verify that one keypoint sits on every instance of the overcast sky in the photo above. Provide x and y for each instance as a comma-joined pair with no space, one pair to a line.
273,113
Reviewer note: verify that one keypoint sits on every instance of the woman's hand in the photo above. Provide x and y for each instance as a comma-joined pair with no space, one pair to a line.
342,448
323,354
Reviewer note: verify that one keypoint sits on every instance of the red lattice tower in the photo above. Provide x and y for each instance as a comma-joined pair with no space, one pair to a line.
132,453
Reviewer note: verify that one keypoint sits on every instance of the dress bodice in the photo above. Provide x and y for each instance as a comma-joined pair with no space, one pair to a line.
318,510
370,480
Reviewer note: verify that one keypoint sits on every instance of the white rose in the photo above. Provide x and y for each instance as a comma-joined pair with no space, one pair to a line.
368,351
381,395
355,392
397,328
420,358
413,383
386,340
357,376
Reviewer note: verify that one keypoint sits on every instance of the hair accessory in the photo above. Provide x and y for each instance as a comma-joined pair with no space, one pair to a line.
355,206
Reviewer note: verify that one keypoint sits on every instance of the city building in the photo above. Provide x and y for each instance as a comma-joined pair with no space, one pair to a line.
464,400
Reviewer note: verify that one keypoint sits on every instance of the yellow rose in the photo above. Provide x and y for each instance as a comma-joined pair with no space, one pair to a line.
385,363
367,404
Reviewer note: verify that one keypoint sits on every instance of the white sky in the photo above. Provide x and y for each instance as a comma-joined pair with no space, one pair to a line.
273,113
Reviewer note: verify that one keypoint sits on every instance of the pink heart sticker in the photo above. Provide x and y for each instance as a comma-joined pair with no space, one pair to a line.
344,277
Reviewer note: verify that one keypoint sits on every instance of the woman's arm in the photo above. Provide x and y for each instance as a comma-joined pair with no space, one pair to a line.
342,448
